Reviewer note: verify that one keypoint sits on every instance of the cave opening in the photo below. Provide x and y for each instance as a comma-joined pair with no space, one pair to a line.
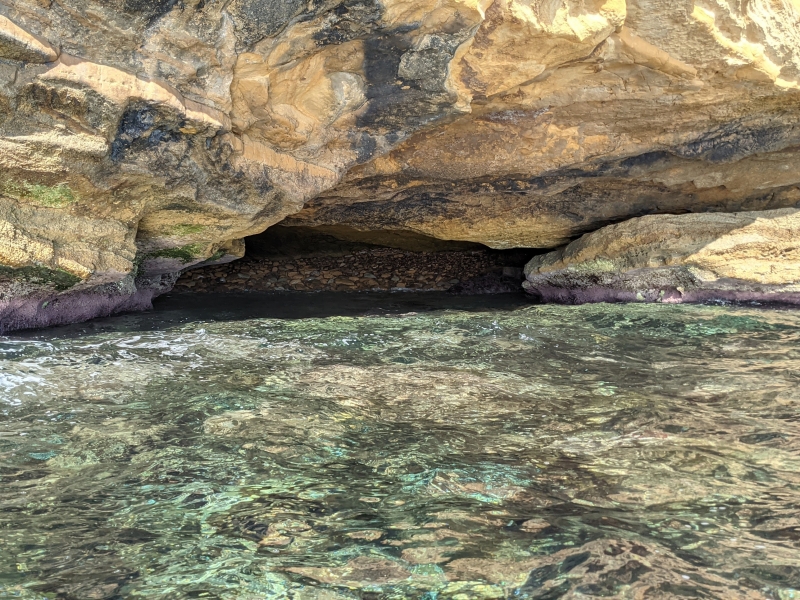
343,259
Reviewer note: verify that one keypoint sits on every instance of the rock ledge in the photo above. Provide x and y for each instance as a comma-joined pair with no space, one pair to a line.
677,258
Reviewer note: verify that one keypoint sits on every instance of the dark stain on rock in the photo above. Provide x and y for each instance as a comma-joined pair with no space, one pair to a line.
255,20
142,128
396,104
364,145
151,10
427,66
734,141
389,214
348,21
648,159
262,183
405,85
45,102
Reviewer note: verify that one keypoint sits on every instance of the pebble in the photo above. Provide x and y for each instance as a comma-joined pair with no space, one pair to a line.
380,269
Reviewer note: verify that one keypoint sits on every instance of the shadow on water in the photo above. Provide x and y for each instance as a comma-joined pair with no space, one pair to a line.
180,309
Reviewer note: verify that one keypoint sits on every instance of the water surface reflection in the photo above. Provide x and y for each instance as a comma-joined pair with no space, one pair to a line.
499,450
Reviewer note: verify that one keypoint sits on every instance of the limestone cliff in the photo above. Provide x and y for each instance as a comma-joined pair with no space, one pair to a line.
142,137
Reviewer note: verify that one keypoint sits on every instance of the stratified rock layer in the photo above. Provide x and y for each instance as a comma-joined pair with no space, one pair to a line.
677,258
139,138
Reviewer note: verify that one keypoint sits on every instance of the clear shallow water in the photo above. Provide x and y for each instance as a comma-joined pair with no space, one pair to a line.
495,451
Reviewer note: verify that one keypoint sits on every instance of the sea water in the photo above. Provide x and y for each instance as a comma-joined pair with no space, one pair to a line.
403,447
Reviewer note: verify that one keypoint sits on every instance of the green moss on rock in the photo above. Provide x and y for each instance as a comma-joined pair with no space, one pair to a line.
187,229
57,278
51,196
185,254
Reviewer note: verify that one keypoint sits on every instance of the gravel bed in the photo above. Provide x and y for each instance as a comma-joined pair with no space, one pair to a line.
382,269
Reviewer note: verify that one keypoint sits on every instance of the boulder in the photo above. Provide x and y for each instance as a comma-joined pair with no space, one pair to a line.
677,258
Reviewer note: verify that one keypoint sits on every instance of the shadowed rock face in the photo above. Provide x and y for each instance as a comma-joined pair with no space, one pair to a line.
139,138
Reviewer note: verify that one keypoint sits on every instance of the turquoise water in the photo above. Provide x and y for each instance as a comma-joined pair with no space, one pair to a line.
495,450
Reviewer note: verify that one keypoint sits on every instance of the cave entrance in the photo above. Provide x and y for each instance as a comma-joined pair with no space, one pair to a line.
342,259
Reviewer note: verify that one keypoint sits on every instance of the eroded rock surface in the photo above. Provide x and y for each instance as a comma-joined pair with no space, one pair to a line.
675,108
139,138
677,258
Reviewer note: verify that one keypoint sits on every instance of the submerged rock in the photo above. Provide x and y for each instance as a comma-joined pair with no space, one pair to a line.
677,258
